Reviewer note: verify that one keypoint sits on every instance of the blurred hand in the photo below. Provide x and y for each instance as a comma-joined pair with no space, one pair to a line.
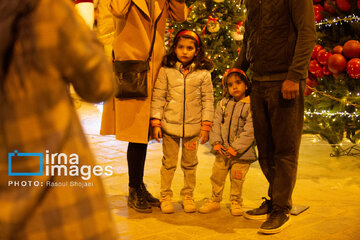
157,133
204,136
230,152
290,89
220,149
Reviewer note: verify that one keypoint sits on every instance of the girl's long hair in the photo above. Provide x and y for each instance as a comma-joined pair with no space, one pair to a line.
200,60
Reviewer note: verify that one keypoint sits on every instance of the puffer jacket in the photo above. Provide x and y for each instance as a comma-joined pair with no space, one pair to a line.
233,126
182,102
279,39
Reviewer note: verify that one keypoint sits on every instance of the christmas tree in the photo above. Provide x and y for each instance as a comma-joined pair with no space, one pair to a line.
333,87
333,94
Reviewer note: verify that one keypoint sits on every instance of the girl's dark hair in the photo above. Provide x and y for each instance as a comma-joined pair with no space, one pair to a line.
243,78
200,60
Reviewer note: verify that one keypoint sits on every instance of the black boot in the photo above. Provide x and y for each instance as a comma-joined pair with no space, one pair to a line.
150,198
137,201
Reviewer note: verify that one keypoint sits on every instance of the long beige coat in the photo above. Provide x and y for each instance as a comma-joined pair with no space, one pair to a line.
129,119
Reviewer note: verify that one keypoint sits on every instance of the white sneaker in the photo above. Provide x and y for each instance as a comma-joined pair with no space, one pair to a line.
166,205
209,206
189,204
236,208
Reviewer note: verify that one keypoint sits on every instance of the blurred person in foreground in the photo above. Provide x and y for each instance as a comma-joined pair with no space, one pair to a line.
44,47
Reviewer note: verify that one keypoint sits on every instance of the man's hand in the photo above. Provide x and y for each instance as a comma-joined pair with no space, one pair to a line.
204,136
290,89
157,133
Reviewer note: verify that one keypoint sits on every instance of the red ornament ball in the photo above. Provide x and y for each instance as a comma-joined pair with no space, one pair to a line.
337,49
307,91
309,83
318,17
337,63
351,49
343,5
330,8
326,70
318,8
353,68
316,69
323,57
316,50
358,4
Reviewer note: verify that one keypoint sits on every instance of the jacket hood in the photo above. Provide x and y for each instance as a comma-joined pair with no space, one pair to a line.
245,99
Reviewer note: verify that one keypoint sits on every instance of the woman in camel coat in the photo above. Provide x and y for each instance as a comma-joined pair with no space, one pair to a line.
129,119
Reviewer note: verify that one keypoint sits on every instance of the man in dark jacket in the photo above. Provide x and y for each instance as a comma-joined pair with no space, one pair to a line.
278,42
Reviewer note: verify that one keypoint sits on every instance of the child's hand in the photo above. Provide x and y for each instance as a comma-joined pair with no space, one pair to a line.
157,133
230,152
204,136
220,149
156,128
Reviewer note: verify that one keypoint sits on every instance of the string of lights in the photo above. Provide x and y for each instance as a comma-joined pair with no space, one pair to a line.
328,114
334,98
329,22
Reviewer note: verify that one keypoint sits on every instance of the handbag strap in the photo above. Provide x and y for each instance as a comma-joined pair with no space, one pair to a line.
152,41
154,34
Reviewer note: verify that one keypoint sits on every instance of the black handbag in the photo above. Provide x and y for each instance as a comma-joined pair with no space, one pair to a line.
131,78
131,75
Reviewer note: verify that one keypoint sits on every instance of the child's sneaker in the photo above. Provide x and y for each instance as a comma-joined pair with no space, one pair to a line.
189,204
166,205
236,209
209,206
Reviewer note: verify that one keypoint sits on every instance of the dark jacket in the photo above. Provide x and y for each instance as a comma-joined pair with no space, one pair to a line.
279,39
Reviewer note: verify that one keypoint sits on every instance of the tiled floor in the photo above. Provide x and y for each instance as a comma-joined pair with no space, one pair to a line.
330,186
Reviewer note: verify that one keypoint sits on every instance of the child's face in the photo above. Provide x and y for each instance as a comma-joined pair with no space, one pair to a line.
236,87
185,50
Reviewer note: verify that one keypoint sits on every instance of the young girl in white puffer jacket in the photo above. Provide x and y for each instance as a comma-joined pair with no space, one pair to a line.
182,109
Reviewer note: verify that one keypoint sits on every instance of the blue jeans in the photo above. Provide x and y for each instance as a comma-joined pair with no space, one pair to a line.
278,127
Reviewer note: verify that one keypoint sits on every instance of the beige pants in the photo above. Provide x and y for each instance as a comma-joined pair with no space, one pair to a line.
189,162
221,168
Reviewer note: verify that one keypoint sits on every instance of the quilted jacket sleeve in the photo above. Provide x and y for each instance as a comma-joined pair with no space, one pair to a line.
215,133
158,100
246,137
207,98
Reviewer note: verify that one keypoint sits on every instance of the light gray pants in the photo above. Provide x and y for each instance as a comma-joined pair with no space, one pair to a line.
189,162
221,168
